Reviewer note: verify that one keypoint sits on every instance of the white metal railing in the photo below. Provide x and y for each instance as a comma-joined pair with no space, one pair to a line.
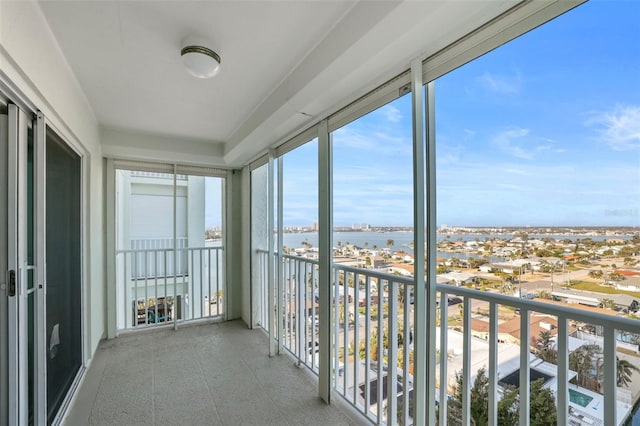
610,325
371,332
160,267
370,307
157,286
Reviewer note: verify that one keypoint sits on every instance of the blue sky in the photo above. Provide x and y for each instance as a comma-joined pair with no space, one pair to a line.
544,130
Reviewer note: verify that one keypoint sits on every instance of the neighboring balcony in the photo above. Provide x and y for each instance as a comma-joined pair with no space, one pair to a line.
161,285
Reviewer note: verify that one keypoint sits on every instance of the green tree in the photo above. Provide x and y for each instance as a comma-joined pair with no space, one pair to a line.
607,303
542,405
624,371
545,351
390,243
581,361
595,274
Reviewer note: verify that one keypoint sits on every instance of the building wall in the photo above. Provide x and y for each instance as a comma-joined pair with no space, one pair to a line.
36,73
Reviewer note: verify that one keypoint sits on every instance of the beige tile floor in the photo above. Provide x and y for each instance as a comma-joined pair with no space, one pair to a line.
213,374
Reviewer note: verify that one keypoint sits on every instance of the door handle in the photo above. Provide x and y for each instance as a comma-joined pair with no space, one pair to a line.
12,283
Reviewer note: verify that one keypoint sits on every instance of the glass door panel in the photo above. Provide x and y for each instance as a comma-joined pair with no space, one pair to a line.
63,275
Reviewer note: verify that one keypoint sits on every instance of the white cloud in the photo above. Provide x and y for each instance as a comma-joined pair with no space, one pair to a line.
501,83
620,128
510,140
391,113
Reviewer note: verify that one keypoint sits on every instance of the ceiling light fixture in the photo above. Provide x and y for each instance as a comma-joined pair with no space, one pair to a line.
200,61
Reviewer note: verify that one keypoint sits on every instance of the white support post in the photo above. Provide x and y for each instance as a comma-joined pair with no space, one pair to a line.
280,292
432,249
271,306
175,256
325,195
112,281
422,338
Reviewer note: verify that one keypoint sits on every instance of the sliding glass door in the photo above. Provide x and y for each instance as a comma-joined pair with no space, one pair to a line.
40,269
63,276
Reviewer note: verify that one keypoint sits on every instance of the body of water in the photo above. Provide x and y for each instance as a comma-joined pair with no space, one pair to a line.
403,240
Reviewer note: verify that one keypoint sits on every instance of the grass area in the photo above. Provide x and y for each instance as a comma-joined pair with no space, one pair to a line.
597,288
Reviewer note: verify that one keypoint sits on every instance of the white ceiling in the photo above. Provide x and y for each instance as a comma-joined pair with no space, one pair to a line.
279,59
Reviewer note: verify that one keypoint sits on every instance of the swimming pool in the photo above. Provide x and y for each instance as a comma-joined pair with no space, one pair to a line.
579,398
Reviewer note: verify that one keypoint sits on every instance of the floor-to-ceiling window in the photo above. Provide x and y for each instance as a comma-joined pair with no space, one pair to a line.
169,246
372,209
538,171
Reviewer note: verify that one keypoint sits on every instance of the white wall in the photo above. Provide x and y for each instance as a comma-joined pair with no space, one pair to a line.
34,73
160,148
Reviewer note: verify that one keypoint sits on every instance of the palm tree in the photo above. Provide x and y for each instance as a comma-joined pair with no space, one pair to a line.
624,371
581,361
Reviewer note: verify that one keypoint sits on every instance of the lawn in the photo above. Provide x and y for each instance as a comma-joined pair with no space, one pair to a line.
597,288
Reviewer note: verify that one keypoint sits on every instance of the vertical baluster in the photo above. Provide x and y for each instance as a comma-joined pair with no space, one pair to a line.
524,366
336,325
345,331
379,354
209,294
201,295
125,290
392,353
305,314
466,361
367,338
165,283
314,361
155,268
300,312
191,283
563,368
135,287
407,342
493,364
146,287
610,366
218,262
356,338
444,337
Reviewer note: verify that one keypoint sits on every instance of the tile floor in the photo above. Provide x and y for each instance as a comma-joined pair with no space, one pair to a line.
213,374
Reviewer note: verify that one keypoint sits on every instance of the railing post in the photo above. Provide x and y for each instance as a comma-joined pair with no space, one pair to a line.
392,354
563,368
444,338
493,364
271,305
524,366
280,293
466,361
325,257
610,366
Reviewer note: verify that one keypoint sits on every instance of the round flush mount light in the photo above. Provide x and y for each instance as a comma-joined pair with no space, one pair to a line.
200,61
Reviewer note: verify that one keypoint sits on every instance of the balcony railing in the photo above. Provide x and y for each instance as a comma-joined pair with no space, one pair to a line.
372,333
369,307
157,286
